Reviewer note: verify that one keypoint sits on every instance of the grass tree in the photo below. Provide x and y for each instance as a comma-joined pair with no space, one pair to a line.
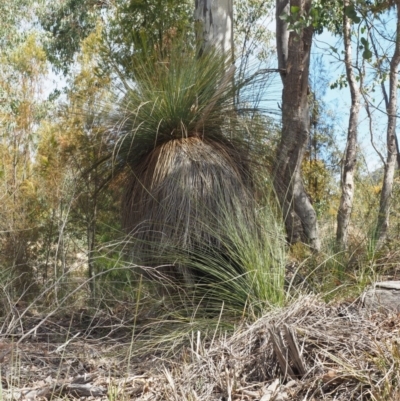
188,204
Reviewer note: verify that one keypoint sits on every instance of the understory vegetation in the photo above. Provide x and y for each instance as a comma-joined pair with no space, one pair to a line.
144,244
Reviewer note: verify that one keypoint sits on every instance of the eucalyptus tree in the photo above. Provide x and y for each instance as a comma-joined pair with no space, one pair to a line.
294,49
350,157
215,24
67,24
12,14
23,66
130,27
391,156
369,17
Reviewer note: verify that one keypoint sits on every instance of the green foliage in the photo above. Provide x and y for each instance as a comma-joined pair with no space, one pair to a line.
22,70
341,82
298,20
318,181
142,26
327,14
177,97
251,37
68,24
351,12
12,14
323,14
132,26
367,53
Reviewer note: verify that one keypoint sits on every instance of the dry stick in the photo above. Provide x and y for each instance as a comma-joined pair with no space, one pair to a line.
216,328
294,350
278,347
62,346
61,389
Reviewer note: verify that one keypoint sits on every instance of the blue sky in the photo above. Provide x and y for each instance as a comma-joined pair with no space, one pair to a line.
339,101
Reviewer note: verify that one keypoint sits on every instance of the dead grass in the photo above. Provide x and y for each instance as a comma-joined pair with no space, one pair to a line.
306,351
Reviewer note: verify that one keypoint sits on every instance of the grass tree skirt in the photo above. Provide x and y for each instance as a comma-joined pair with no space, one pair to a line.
185,201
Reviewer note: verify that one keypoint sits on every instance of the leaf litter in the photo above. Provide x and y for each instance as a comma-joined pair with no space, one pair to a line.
308,350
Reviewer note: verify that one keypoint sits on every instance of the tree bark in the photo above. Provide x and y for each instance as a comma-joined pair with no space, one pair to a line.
387,188
350,159
294,50
282,35
215,24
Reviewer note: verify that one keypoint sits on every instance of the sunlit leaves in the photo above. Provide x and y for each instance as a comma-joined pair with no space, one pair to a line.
131,26
251,33
13,13
23,66
68,23
319,183
29,58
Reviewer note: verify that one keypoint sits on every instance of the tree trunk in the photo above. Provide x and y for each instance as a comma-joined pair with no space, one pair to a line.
282,35
215,24
349,162
294,58
386,194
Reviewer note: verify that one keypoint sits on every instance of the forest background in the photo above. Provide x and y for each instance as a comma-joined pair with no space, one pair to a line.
62,237
162,188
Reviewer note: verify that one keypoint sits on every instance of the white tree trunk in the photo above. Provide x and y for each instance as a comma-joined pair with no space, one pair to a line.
215,24
387,188
350,160
282,35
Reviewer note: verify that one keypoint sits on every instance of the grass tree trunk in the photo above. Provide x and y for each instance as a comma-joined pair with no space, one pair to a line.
386,194
215,24
294,49
350,160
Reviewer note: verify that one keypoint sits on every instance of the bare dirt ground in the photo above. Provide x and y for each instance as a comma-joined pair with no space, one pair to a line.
307,351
